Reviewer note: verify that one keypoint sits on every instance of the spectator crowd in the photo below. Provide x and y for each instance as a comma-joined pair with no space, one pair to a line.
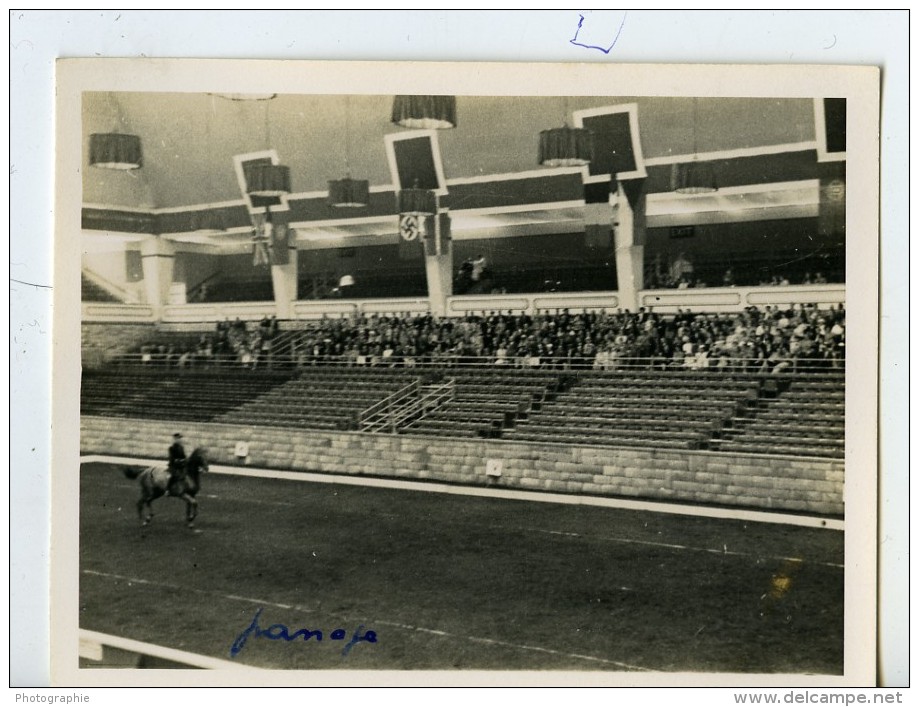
769,339
231,342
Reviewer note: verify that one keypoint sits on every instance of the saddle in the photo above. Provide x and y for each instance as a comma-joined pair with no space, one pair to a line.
176,477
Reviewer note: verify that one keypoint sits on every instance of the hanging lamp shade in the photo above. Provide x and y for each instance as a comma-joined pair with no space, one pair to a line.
424,112
349,193
417,202
268,180
693,178
565,147
115,151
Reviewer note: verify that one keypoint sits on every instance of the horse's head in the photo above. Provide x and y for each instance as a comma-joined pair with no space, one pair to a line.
132,472
198,460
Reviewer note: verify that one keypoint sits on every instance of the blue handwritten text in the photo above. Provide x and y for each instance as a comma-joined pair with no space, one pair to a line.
280,632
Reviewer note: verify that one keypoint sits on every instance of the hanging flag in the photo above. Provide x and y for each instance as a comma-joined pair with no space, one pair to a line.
279,237
410,227
261,239
598,216
437,237
831,219
411,230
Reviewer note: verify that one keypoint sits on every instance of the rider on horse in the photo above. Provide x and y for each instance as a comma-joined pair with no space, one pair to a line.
176,459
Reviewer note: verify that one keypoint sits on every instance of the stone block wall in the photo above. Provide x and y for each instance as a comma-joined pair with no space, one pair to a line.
752,481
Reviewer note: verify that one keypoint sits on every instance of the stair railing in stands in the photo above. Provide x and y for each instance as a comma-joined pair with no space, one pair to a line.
381,415
436,395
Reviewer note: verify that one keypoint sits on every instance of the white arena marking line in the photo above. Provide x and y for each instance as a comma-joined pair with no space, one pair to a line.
256,501
234,597
634,541
132,580
517,646
406,627
510,494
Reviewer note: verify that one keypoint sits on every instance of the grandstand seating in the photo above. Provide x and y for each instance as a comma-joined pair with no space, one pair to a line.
91,292
754,268
155,394
807,418
368,284
660,408
731,409
237,291
319,397
563,278
486,401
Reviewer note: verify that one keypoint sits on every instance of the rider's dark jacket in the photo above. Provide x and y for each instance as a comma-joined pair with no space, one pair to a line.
176,456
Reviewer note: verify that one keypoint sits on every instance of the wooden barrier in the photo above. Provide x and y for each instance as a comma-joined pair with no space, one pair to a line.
101,650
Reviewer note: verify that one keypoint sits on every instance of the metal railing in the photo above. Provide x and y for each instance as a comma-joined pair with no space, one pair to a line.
402,406
381,415
436,396
574,364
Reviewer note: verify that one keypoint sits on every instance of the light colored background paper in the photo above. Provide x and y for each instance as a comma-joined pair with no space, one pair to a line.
37,38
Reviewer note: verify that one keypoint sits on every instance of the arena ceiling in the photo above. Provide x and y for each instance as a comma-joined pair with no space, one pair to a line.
765,147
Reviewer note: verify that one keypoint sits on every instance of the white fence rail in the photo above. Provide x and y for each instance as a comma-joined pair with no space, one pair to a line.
708,299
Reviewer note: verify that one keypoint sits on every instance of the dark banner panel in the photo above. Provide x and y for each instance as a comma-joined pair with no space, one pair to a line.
741,171
834,117
832,214
613,149
415,164
114,220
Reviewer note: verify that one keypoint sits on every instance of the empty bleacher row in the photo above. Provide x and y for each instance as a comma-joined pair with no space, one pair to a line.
805,419
641,408
156,394
802,415
485,402
321,398
91,292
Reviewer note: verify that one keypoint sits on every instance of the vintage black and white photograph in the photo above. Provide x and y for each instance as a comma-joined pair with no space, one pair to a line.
464,368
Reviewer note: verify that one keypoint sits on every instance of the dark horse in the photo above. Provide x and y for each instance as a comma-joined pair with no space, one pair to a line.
154,482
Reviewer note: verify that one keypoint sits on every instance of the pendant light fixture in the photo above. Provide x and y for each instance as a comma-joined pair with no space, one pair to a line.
417,202
264,179
694,177
115,149
348,193
424,112
565,146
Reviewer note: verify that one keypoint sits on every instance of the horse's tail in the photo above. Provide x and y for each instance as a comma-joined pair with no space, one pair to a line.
131,472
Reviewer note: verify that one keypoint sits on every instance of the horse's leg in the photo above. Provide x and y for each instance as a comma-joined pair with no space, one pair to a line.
145,502
191,509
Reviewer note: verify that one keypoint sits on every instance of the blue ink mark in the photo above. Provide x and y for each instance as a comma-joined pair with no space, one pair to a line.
605,50
280,632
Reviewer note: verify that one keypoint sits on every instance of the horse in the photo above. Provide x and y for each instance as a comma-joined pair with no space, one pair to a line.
154,482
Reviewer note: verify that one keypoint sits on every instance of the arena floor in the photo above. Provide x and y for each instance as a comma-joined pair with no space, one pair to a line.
455,582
